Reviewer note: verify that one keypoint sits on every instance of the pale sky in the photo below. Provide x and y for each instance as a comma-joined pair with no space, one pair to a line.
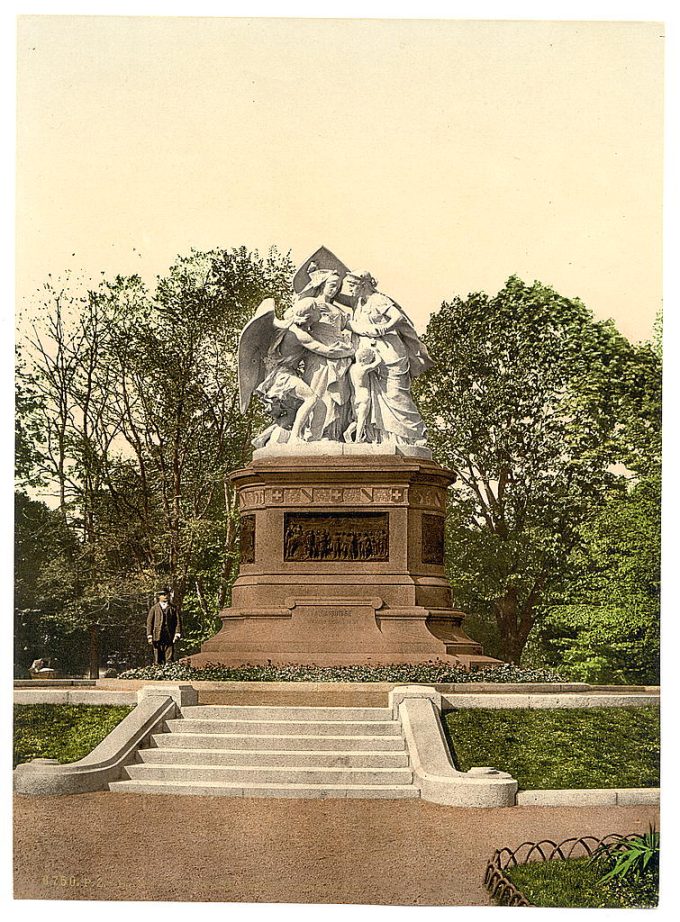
441,155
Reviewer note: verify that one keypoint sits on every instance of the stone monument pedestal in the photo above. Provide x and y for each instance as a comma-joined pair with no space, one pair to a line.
342,561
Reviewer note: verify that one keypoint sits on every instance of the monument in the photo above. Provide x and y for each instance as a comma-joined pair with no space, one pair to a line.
342,507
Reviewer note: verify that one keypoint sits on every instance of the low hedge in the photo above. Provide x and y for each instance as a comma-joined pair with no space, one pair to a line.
435,673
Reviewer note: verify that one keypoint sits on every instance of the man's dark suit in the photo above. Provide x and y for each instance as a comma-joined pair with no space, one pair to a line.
162,626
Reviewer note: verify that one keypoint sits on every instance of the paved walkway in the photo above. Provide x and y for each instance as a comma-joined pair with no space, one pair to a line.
130,847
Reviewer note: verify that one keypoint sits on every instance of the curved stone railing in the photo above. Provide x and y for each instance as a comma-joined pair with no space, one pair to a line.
105,763
419,709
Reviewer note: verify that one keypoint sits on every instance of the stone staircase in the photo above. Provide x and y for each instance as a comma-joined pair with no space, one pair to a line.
275,752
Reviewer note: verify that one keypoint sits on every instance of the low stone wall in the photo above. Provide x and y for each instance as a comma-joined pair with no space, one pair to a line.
502,700
346,694
73,696
590,797
419,710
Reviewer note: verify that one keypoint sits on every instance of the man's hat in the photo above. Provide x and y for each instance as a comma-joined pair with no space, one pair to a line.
163,591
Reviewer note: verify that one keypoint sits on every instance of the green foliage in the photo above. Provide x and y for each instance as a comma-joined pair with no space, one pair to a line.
27,412
429,673
576,883
63,732
45,579
533,408
605,628
127,413
130,418
631,858
589,747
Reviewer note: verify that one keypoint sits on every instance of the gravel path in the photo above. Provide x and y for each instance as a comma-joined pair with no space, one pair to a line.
129,846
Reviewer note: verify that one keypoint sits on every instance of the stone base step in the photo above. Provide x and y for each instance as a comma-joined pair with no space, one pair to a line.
238,789
255,712
262,775
296,742
268,727
279,758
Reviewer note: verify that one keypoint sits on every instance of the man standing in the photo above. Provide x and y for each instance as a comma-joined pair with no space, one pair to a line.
163,628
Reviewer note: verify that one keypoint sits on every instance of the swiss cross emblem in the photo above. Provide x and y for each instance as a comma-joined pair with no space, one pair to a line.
277,496
397,494
336,496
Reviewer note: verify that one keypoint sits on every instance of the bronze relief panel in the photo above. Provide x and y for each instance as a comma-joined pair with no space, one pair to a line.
331,536
247,539
433,539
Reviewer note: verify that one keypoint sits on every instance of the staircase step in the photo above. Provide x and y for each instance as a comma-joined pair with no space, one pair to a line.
277,758
298,742
238,789
257,712
255,751
266,726
257,774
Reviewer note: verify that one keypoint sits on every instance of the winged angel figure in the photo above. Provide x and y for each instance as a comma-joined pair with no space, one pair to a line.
338,365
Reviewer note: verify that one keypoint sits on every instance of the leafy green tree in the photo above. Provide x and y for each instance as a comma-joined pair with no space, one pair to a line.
138,428
605,626
177,400
45,552
26,427
527,410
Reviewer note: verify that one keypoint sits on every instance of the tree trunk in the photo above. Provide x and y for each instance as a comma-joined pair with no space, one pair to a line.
94,650
515,621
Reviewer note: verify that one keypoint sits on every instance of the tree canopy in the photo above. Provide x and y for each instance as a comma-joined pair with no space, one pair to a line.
536,410
128,421
130,414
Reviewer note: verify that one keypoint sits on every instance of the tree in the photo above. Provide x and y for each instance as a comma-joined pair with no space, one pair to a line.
527,411
175,361
45,551
605,626
138,427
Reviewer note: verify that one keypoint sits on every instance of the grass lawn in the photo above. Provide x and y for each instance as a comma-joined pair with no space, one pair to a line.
560,748
574,883
60,731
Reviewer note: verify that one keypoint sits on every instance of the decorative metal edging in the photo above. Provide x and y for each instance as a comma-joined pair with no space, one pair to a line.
502,888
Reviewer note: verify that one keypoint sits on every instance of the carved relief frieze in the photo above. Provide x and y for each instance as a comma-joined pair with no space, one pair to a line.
332,536
250,497
429,497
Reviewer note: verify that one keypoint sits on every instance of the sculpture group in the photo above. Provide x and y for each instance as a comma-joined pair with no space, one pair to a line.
338,365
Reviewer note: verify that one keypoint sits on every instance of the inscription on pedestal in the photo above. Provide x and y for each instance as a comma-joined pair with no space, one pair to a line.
247,539
433,539
336,536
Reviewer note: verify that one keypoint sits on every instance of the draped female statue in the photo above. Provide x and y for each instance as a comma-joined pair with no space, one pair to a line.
338,365
378,323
